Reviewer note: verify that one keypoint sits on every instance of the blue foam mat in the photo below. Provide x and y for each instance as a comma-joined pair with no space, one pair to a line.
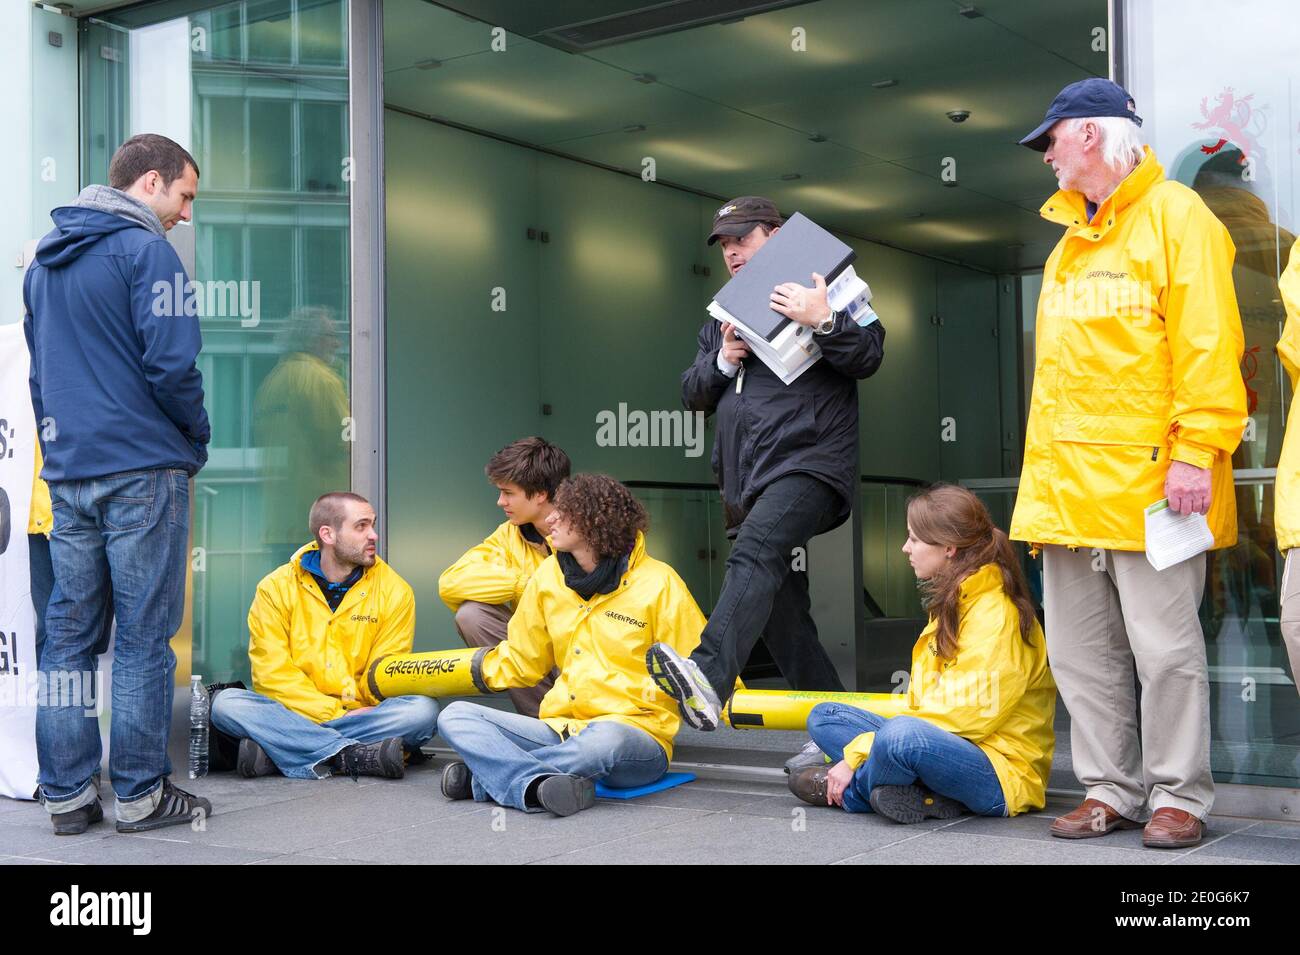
666,781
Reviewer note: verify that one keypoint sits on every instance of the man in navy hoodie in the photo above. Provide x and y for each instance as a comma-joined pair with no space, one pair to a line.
113,332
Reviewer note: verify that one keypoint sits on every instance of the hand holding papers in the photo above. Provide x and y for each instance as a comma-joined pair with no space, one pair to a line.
1172,537
797,250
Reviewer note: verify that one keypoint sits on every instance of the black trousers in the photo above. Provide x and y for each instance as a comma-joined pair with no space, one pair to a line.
763,596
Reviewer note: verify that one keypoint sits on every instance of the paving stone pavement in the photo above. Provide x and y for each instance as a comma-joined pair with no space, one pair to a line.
276,821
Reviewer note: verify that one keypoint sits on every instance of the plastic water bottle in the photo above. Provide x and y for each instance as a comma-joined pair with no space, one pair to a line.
198,728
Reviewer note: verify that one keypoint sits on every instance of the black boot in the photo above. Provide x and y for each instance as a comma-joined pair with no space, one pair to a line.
383,759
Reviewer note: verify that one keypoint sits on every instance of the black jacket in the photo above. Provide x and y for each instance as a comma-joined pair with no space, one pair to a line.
770,429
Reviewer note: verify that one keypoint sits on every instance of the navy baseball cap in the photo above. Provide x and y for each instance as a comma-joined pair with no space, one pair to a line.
1083,100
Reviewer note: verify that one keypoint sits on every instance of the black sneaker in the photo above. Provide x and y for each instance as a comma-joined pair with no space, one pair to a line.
913,804
383,759
456,781
77,821
175,808
565,795
253,761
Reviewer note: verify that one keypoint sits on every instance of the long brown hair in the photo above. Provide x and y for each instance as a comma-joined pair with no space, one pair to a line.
949,516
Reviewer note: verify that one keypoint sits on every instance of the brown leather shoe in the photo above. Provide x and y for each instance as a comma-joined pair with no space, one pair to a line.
1093,818
809,784
1172,828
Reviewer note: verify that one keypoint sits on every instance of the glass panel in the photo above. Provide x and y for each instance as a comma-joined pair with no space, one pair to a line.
269,25
225,36
1229,127
320,32
270,141
324,126
273,274
686,532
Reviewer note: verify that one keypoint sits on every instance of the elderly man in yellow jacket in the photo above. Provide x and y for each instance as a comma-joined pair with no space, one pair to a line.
484,585
316,625
1137,396
1286,519
593,609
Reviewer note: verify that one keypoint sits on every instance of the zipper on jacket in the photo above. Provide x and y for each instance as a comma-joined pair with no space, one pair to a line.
740,379
1155,454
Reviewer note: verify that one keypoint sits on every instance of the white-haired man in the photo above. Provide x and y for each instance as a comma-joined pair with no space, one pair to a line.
1137,397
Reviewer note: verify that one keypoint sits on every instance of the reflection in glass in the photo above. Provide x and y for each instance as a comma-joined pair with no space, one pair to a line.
300,426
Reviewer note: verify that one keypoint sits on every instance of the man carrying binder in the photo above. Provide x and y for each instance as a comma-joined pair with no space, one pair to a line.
786,460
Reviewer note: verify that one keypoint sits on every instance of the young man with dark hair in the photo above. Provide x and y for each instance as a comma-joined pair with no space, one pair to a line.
119,404
316,625
592,609
483,587
786,460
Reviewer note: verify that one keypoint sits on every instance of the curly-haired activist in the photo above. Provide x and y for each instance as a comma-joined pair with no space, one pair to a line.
592,610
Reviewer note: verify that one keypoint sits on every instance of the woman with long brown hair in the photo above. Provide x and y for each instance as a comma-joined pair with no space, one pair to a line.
973,732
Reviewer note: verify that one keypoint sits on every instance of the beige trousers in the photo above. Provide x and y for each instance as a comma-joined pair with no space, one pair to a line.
485,625
1290,622
1107,612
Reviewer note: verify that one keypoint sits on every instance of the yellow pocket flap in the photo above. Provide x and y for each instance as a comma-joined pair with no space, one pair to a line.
1110,429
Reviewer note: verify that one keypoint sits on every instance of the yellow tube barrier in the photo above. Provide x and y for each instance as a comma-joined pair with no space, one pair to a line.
789,709
439,673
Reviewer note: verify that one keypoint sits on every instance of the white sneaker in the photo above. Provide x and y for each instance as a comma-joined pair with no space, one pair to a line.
685,682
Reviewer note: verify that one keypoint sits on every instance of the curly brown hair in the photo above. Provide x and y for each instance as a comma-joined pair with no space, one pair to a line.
603,512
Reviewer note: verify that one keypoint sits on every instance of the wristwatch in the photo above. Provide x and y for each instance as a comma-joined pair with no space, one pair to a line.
825,327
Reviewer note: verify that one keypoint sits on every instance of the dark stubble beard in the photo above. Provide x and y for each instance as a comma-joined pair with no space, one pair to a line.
357,557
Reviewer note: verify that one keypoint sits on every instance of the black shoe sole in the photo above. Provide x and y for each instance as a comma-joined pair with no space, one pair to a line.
566,795
83,822
909,804
457,781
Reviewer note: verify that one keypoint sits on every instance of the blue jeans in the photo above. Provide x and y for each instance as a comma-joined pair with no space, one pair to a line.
908,750
506,752
296,745
42,578
122,539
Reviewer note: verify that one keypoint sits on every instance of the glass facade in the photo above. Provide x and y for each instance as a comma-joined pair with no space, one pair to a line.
258,92
1228,125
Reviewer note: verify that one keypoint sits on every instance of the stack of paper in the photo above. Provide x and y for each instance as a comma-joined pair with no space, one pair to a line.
1172,537
793,254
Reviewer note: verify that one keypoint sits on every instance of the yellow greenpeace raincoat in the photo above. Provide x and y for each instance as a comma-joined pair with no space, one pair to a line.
599,646
494,572
1139,345
314,661
40,519
1286,518
996,692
